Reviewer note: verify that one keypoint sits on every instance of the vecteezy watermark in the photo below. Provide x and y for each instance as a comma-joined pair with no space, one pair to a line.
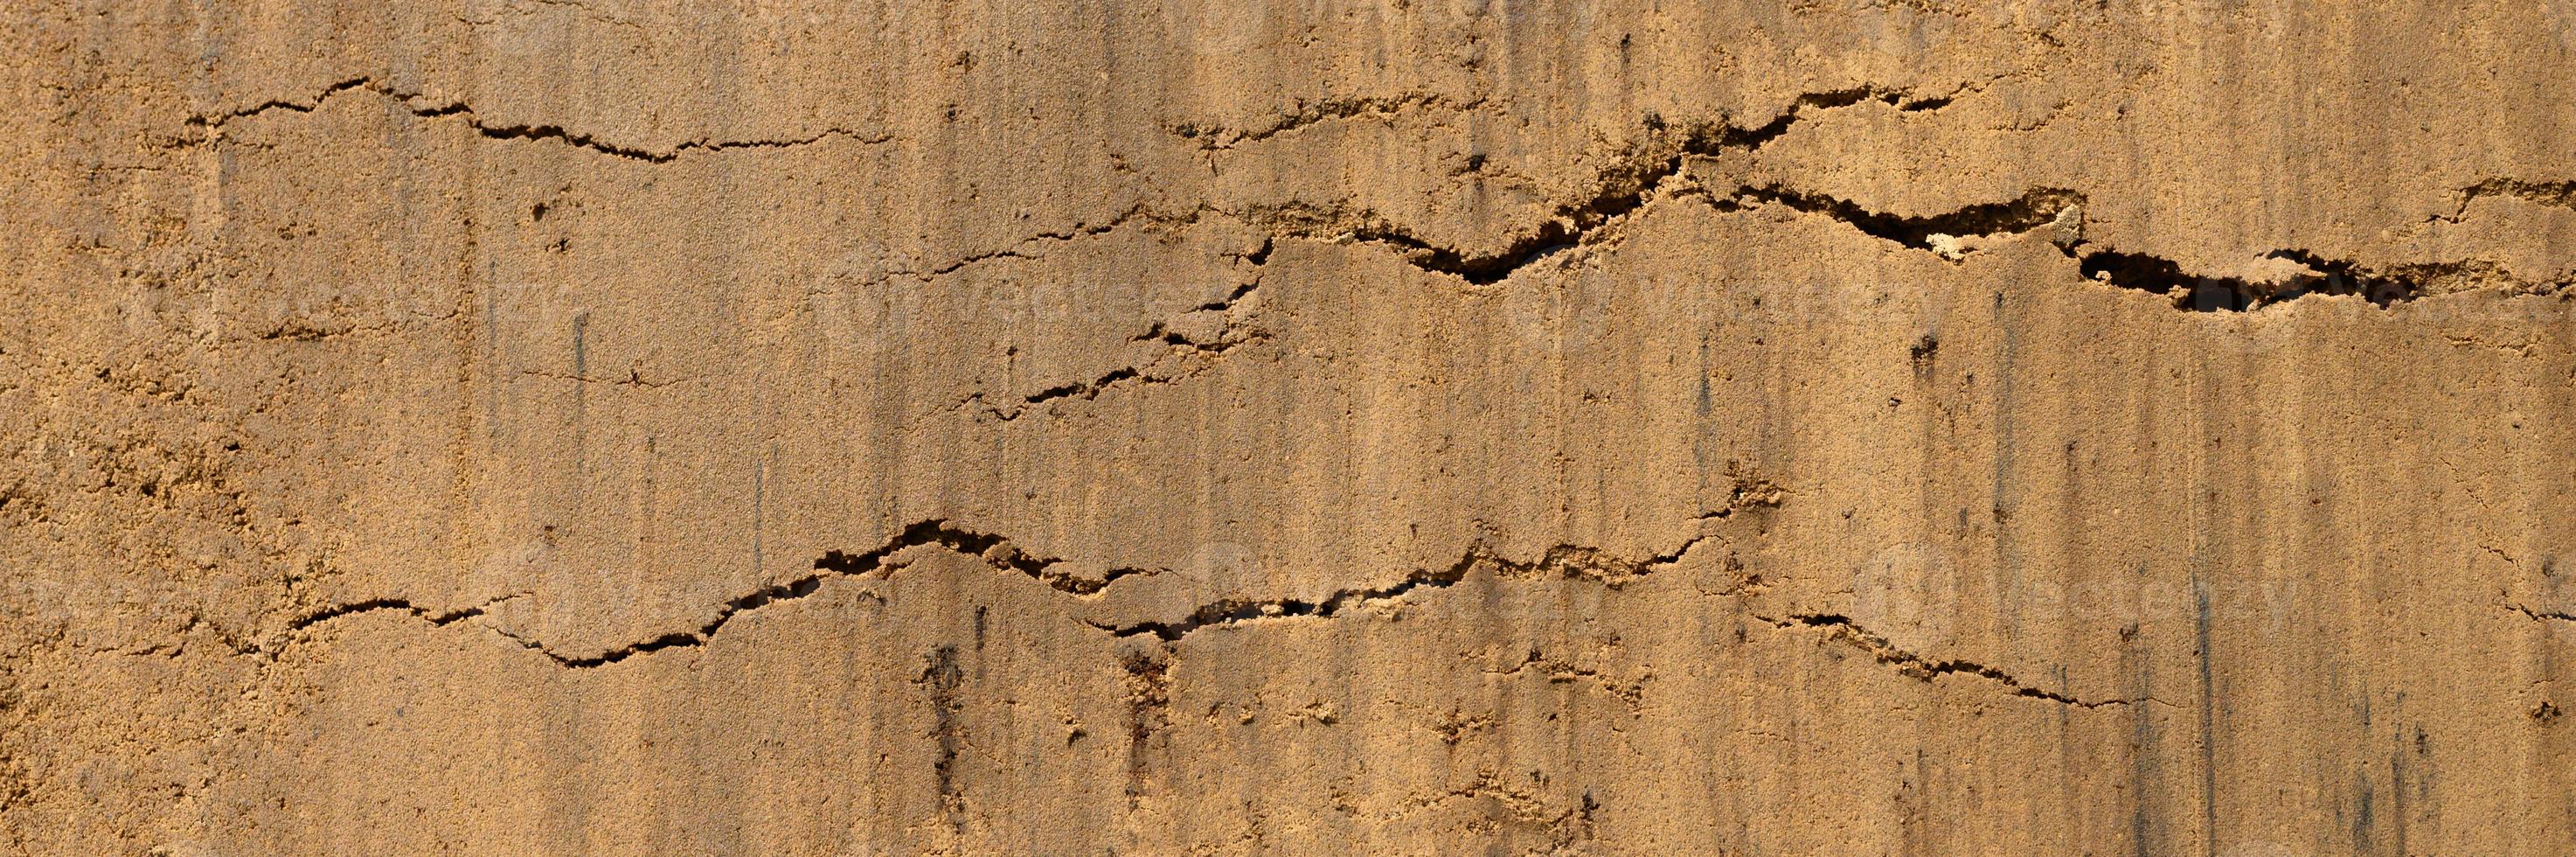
1912,594
1908,593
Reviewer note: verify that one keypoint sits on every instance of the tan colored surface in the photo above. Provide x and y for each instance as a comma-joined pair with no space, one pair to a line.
1310,426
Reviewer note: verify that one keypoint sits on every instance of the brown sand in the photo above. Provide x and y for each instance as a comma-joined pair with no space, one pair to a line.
1298,426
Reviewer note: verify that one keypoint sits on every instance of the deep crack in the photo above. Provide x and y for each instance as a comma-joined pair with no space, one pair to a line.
2303,272
1626,185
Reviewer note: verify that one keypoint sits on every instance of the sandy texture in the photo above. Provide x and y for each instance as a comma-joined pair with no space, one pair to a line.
1298,426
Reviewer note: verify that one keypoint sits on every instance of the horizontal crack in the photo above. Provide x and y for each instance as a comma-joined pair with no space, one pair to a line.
2303,273
992,549
2206,293
1018,249
2543,615
632,378
2035,208
1626,185
1567,561
396,604
2557,194
1564,561
1231,612
1213,137
412,103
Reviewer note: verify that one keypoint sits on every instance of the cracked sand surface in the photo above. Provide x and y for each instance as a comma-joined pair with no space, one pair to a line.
587,426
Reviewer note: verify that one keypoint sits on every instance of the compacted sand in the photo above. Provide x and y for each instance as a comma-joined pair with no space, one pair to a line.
1296,426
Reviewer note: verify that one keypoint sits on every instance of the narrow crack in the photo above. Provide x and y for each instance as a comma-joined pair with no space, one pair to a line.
1236,611
1926,669
2556,194
1569,561
1189,353
1214,138
395,604
1558,671
1021,249
632,378
412,102
1192,357
220,119
992,549
2543,615
1566,561
1162,330
1952,235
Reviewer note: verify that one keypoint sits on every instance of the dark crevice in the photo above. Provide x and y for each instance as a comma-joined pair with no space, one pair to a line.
1479,270
2236,294
992,549
1565,561
1228,612
1217,137
2059,207
409,102
1926,669
1626,185
2033,209
1123,376
2556,194
216,120
1076,390
2159,275
2543,615
1755,138
372,605
1149,671
1161,331
1113,575
1182,349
